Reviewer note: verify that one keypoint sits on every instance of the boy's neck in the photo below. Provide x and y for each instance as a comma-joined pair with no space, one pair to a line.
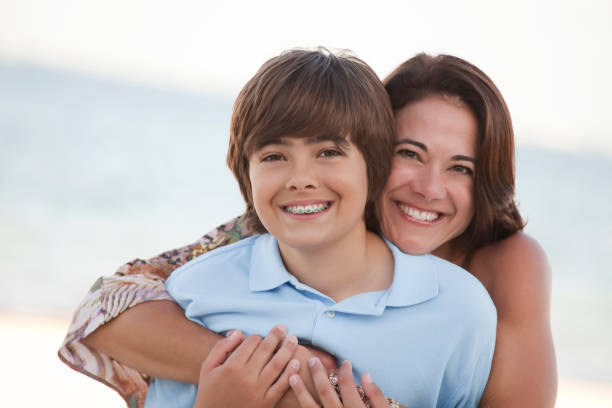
359,263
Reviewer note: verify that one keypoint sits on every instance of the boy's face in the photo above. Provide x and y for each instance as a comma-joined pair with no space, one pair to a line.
309,192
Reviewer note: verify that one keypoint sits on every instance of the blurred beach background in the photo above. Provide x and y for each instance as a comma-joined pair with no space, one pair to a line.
114,122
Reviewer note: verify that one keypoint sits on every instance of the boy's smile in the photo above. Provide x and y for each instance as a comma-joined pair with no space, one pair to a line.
303,209
309,192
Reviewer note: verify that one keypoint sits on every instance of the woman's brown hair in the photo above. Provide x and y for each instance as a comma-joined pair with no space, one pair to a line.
313,94
496,215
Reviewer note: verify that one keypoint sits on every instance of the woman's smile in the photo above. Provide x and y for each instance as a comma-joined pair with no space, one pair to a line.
420,216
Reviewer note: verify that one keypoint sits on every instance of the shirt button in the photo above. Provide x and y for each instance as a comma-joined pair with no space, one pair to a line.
330,314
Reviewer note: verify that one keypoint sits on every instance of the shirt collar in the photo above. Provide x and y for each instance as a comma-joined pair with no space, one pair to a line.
415,277
267,268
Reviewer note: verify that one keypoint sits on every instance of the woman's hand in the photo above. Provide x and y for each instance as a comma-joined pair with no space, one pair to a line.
304,355
255,374
327,394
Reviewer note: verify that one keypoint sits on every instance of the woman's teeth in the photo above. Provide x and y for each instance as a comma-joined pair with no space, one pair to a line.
306,209
418,215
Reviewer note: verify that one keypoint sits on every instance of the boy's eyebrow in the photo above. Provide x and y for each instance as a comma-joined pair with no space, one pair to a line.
339,140
280,141
286,141
457,157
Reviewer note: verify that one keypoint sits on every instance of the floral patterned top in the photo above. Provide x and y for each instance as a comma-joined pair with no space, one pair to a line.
133,283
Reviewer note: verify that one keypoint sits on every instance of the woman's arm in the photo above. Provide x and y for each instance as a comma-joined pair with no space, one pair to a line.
517,274
121,338
135,283
155,338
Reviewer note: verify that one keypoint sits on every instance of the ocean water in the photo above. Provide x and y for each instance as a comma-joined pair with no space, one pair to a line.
94,173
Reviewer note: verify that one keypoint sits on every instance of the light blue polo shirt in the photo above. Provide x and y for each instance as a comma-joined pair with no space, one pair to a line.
427,340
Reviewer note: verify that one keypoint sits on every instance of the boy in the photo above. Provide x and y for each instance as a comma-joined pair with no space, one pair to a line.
311,145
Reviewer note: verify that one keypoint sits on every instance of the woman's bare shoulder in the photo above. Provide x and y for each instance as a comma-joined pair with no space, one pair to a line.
517,274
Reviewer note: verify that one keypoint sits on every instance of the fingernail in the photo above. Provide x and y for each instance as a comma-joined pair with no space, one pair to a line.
230,333
295,364
346,363
367,378
312,362
292,339
282,328
293,379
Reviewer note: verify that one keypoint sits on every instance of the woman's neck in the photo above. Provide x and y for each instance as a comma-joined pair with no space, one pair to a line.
360,262
451,251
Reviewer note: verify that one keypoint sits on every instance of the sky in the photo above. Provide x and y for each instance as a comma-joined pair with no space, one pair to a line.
550,59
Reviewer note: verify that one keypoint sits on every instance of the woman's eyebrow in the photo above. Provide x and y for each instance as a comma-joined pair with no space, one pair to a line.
460,157
412,142
457,157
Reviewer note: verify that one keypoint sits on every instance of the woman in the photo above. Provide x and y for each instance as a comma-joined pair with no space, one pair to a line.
451,192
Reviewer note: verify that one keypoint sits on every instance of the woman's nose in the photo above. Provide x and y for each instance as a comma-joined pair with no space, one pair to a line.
429,184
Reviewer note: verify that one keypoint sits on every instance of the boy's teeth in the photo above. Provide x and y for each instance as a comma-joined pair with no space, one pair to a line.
306,209
419,215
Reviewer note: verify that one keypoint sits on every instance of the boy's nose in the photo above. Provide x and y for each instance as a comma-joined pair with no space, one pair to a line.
302,179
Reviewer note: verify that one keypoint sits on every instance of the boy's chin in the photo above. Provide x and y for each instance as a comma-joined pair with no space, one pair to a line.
303,240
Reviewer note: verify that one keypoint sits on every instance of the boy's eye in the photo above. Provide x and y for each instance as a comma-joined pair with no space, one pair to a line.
462,170
272,157
407,153
330,153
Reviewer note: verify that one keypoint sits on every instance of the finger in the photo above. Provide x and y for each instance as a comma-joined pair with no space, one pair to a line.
301,393
348,390
264,351
278,389
374,394
326,392
328,361
218,354
279,360
244,351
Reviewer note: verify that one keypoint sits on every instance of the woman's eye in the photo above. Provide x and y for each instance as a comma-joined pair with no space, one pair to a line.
463,170
272,157
408,154
330,153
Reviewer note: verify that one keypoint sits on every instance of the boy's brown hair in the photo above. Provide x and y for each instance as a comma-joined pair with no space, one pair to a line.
317,93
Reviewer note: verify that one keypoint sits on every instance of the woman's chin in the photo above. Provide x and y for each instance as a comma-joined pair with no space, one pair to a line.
412,247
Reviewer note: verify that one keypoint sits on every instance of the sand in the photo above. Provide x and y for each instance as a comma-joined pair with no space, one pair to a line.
35,377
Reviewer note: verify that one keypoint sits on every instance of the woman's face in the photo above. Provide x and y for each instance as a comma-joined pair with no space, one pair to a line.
428,199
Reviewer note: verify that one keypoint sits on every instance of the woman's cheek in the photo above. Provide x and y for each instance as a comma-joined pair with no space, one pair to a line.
463,193
400,174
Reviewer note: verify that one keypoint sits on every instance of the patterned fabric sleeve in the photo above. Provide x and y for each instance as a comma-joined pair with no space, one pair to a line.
135,282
